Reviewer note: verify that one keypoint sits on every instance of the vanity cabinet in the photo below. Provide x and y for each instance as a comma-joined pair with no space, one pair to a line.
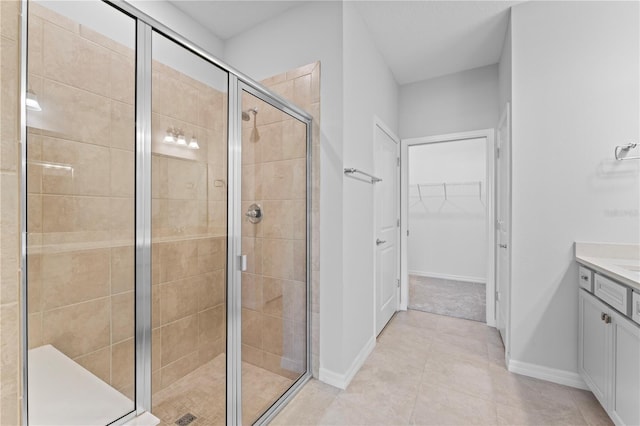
609,358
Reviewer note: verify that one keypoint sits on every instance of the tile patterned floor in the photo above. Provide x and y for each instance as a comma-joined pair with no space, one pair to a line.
202,393
428,369
448,297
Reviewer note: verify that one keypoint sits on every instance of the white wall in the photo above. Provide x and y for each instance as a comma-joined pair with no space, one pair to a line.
174,18
504,70
299,36
575,96
459,102
369,90
448,237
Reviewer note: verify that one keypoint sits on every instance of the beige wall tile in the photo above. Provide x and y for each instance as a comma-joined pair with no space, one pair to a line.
98,363
211,326
177,260
122,269
179,339
35,330
10,14
276,331
249,249
178,369
75,114
300,260
123,364
36,9
9,405
90,163
122,316
299,219
156,349
279,261
122,126
9,238
74,277
75,61
302,91
301,71
9,104
9,347
212,289
122,77
178,299
252,323
208,351
284,180
279,78
273,296
91,35
252,355
122,173
315,83
78,329
278,219
122,218
252,291
186,180
294,139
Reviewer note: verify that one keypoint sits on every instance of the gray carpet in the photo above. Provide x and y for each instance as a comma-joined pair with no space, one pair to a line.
446,297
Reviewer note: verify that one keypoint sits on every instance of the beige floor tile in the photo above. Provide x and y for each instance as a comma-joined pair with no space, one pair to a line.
438,406
428,369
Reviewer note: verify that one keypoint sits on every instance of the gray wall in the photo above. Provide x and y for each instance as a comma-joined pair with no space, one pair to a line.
459,102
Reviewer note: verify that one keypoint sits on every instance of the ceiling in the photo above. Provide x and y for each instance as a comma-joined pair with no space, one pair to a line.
418,39
426,39
226,19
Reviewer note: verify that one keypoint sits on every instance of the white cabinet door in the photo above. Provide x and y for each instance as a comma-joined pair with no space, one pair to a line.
625,398
594,347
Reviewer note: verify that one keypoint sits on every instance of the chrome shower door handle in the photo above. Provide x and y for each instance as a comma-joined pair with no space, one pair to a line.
379,241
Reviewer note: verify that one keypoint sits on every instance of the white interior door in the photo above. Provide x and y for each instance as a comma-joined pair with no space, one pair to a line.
387,203
503,228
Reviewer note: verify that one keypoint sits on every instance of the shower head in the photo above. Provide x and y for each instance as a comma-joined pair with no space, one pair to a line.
246,116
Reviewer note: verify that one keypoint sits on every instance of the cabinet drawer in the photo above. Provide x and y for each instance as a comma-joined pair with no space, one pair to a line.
635,307
612,293
585,278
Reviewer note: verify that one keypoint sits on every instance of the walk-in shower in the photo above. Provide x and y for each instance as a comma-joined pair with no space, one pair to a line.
149,288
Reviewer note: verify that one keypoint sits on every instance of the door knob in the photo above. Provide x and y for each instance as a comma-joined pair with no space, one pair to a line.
504,246
379,241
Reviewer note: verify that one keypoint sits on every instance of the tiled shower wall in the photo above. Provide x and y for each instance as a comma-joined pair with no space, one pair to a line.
274,167
9,214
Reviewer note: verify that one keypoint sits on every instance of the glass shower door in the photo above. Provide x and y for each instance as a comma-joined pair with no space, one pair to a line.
274,241
188,235
80,213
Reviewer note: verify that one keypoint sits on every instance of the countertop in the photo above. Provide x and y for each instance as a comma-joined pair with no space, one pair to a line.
620,262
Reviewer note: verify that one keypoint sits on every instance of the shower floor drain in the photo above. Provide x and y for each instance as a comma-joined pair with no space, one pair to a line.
186,419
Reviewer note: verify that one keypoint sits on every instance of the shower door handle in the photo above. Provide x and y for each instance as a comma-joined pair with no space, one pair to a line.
242,262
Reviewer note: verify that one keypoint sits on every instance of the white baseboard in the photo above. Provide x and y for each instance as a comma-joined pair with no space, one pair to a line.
342,380
477,280
561,377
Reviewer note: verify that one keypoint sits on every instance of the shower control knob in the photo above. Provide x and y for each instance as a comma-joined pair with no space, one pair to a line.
254,213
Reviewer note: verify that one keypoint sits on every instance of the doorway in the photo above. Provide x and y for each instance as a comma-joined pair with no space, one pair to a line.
447,235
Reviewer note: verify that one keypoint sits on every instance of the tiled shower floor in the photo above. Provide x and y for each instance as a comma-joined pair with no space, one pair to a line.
202,394
447,297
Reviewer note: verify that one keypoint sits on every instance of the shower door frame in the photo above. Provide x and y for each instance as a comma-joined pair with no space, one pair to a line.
237,82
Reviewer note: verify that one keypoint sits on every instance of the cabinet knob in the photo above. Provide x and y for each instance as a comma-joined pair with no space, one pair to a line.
584,277
606,318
